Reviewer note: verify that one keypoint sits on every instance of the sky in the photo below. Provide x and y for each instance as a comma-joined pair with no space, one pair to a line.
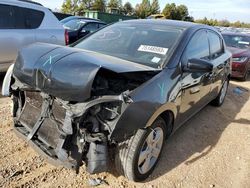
232,10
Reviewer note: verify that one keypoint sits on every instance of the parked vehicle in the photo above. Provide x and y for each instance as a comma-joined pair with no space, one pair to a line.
80,27
121,91
65,20
23,23
239,45
156,16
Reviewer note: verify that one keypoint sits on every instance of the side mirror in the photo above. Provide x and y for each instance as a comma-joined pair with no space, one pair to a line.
198,65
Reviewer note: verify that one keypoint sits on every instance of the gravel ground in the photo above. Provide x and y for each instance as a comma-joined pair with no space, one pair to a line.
210,150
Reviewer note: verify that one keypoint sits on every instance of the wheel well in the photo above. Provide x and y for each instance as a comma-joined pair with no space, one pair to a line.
168,117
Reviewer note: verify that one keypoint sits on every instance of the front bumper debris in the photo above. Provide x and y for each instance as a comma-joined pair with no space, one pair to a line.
63,133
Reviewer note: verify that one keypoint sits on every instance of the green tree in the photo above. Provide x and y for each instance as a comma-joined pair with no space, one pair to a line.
67,7
143,10
224,23
114,4
170,11
128,8
86,4
182,12
73,7
99,5
155,7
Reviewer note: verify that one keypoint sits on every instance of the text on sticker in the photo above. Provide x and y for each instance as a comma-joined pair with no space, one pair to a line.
153,49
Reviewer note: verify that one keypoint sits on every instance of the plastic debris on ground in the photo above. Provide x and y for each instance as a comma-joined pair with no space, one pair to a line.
239,90
97,181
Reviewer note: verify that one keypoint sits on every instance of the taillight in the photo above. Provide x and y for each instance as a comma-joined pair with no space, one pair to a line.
66,34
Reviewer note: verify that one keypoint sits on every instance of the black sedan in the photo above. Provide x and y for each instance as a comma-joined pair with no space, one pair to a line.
119,92
79,27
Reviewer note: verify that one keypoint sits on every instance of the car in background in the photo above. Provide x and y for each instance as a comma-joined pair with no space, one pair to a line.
117,94
22,23
80,27
65,20
156,16
239,45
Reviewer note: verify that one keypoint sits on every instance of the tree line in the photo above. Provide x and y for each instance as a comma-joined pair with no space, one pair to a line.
142,10
222,23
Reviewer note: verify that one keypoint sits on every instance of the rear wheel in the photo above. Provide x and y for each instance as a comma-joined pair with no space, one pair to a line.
218,101
137,157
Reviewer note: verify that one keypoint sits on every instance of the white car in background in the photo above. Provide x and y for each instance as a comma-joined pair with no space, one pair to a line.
24,22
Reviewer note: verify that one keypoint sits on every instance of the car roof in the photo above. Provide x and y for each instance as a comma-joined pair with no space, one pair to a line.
89,20
172,23
235,33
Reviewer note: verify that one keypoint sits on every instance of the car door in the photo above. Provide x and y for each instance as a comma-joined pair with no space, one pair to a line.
219,59
15,34
7,26
196,86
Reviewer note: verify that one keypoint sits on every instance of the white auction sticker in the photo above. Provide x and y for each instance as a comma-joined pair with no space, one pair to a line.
153,49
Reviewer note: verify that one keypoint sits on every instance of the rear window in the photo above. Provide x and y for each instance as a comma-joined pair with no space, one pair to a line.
13,17
7,19
74,25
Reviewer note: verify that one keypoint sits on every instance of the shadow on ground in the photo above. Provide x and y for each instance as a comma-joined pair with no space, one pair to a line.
200,134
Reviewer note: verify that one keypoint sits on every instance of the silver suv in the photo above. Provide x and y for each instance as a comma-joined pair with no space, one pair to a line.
23,22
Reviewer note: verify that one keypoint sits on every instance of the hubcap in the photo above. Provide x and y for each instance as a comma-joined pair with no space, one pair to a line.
150,150
223,91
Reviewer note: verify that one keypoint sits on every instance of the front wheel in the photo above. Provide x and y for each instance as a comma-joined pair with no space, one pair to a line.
218,101
137,157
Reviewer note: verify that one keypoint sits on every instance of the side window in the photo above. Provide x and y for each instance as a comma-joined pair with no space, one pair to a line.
198,47
7,17
91,27
216,47
29,18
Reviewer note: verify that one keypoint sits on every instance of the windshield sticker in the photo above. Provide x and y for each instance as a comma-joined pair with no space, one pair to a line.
243,42
156,60
153,49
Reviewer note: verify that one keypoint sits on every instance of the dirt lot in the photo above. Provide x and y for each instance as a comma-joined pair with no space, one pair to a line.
211,150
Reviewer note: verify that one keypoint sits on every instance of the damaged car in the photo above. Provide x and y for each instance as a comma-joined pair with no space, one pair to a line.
118,94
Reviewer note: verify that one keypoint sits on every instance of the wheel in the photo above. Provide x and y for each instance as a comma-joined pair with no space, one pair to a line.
137,157
218,101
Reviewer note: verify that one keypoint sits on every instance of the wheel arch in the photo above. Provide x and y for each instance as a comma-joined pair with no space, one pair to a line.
168,113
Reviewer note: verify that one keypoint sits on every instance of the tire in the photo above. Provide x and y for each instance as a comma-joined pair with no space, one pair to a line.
219,100
137,147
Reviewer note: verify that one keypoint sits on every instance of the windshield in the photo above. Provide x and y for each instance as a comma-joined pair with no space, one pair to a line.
140,43
75,24
237,41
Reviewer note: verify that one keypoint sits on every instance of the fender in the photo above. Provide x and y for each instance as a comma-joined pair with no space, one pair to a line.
166,107
6,82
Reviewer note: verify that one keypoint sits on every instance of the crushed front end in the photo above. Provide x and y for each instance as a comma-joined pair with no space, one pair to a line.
67,133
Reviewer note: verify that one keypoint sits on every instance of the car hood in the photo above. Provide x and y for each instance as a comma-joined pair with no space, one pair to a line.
64,72
237,52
